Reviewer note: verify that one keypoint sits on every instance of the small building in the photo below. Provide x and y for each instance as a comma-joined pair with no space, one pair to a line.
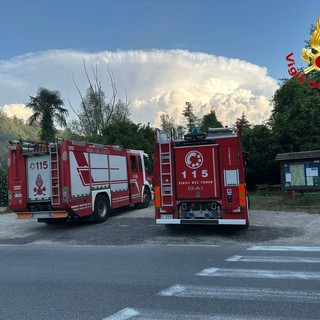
300,171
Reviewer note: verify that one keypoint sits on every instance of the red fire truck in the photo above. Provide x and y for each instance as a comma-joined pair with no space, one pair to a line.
200,179
72,179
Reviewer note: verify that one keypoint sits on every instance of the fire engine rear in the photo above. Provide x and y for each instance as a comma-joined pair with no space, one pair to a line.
200,179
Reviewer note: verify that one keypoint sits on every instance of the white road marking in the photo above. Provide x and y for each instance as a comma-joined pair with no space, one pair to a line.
147,314
123,314
284,248
273,259
238,293
192,245
263,274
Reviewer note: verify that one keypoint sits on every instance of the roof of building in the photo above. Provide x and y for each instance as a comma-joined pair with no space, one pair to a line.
315,154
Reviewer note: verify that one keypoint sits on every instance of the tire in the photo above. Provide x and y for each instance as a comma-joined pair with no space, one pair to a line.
101,208
146,200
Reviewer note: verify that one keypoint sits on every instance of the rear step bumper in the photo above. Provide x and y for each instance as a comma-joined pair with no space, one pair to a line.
42,214
234,222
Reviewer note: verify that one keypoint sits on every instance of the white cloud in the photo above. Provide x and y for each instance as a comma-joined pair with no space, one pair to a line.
17,110
156,81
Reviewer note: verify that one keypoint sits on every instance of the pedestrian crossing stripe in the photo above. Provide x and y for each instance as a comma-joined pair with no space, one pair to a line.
273,259
257,273
284,248
239,293
148,314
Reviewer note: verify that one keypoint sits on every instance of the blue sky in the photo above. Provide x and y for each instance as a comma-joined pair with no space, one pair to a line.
261,33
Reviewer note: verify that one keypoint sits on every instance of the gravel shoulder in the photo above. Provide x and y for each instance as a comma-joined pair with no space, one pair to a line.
132,226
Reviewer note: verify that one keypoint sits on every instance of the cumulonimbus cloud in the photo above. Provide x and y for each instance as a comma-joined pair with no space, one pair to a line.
155,82
17,110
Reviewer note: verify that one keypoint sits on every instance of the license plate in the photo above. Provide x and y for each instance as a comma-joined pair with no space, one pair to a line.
166,216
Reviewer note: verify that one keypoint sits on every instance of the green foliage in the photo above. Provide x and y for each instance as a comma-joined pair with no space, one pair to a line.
13,129
244,122
3,186
120,112
188,113
307,202
94,112
167,123
295,119
294,126
47,108
258,141
129,135
69,133
210,121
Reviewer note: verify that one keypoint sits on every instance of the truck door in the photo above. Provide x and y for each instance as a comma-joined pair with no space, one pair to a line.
197,172
135,177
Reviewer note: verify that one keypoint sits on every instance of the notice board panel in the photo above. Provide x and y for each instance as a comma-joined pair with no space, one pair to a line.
302,175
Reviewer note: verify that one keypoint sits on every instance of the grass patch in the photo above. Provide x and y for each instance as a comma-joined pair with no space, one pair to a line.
307,202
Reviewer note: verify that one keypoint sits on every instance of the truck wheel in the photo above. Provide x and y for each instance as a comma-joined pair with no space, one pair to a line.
101,208
146,200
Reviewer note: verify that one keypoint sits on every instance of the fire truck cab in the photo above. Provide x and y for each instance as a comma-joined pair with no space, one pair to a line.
200,179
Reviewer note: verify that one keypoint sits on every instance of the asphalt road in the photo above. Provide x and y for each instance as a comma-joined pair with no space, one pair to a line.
130,268
159,282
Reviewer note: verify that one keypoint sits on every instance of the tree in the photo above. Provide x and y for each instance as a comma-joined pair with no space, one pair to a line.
3,186
12,129
95,113
167,123
259,144
210,121
129,135
244,121
190,116
120,112
180,131
47,108
295,118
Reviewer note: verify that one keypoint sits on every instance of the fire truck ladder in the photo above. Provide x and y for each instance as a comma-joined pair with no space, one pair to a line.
55,180
166,173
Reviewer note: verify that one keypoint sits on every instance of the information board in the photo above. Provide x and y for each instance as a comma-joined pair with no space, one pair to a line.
302,175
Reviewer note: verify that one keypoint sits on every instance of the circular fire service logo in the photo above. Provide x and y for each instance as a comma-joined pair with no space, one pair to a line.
194,159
